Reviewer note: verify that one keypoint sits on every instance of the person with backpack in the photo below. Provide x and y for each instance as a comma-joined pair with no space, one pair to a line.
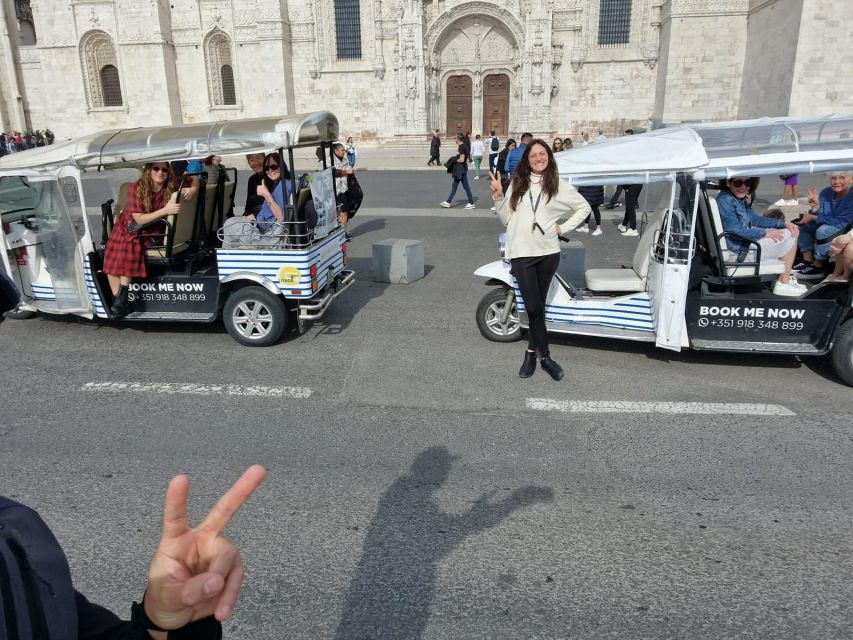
194,578
494,150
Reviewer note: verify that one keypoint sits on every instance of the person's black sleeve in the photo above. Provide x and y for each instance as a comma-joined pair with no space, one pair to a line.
97,623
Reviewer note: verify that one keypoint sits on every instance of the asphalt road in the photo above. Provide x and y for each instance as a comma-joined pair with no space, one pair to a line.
416,492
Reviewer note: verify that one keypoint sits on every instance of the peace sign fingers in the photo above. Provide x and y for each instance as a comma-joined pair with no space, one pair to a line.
175,522
234,498
496,186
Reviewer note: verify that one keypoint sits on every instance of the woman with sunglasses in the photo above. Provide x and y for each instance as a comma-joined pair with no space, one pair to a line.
537,209
777,238
250,228
149,199
557,145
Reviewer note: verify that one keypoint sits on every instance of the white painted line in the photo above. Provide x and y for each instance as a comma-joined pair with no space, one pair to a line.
197,389
683,408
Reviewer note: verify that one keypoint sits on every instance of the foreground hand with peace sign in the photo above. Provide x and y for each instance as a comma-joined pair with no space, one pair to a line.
197,573
496,185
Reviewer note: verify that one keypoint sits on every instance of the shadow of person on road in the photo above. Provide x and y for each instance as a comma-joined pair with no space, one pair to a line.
391,593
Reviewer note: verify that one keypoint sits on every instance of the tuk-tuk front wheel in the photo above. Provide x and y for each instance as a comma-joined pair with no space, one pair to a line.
255,317
842,352
493,320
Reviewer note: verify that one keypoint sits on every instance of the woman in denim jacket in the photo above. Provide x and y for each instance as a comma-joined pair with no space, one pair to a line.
776,238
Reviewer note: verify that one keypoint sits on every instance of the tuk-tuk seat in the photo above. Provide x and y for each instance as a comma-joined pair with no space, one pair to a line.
633,279
181,227
121,200
727,256
209,207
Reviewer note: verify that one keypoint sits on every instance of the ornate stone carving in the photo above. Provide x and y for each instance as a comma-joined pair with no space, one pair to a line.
579,56
566,20
650,56
247,13
477,8
302,31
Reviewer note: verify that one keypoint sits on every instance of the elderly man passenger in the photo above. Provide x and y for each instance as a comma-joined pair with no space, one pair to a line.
829,214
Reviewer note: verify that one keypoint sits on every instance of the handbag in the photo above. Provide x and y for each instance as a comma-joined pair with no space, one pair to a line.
356,195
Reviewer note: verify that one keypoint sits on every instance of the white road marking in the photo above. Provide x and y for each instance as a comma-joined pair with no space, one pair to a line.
683,408
197,389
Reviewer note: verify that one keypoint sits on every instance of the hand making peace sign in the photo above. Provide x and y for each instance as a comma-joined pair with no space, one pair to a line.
496,185
197,573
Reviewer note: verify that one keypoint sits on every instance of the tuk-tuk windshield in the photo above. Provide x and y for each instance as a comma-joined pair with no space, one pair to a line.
16,196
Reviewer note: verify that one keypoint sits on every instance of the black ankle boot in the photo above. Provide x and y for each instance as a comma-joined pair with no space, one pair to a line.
121,306
528,366
554,370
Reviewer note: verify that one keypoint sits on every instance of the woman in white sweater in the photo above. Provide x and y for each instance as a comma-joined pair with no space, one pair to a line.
538,207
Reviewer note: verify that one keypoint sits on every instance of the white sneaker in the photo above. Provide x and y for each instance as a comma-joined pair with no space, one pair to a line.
582,229
476,177
792,203
445,204
781,202
630,232
622,228
789,289
470,205
493,208
597,232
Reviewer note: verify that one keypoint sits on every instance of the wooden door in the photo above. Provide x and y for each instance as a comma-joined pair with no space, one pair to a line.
459,100
496,104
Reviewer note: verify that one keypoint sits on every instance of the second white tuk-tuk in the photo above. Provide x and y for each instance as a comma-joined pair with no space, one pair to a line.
58,205
684,289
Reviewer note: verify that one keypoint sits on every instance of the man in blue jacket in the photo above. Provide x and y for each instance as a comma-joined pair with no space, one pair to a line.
829,215
193,581
514,156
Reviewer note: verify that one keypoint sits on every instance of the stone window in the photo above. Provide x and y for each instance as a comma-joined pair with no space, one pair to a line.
110,86
221,86
100,70
614,23
348,29
26,25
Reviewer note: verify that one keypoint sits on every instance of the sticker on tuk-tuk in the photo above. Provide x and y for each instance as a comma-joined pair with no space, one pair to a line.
289,276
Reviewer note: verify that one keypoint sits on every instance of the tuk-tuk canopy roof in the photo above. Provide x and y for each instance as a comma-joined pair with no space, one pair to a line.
765,146
133,147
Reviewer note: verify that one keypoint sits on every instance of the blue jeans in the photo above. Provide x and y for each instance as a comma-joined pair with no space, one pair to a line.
817,238
351,159
464,181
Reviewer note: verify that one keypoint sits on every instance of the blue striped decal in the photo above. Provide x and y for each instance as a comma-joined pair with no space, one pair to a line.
94,298
608,316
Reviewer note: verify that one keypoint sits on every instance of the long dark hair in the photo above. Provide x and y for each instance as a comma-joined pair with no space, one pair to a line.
273,158
521,177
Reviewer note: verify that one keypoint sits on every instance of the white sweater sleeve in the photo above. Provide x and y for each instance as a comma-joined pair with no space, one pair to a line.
570,201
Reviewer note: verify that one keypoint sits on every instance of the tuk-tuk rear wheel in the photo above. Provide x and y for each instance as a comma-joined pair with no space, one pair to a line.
842,352
255,317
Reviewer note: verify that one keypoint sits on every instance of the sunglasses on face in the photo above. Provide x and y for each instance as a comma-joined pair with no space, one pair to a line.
740,183
159,169
272,167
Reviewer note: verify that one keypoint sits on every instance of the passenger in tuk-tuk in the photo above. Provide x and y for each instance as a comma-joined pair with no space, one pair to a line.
253,201
187,176
842,248
149,199
777,238
829,214
271,189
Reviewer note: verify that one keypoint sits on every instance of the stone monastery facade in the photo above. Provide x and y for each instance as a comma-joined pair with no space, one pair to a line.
392,68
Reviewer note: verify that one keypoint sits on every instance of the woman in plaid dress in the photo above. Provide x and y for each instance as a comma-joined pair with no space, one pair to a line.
148,199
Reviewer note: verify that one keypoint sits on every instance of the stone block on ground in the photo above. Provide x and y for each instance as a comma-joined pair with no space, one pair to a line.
398,261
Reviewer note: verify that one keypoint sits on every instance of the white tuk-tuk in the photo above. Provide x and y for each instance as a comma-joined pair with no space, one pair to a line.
684,288
58,205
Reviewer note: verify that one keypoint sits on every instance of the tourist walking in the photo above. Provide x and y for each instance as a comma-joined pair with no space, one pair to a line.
349,147
478,150
434,150
494,150
459,169
594,196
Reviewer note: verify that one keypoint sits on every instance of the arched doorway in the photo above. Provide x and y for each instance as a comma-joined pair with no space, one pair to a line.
459,100
496,103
